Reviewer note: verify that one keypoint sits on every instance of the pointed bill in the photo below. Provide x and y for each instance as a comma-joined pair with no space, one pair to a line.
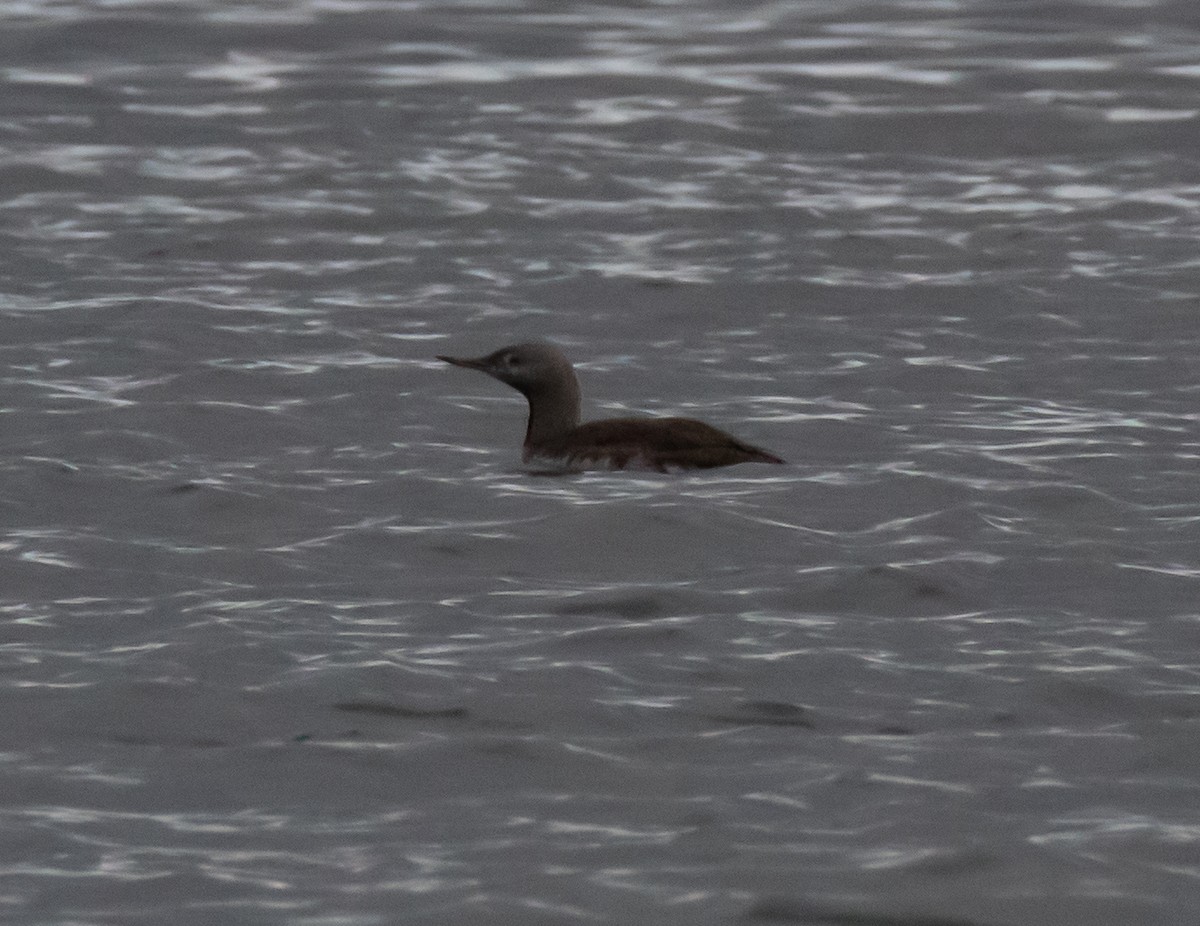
471,363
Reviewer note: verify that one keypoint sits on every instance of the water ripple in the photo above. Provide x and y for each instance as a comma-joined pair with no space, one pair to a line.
258,541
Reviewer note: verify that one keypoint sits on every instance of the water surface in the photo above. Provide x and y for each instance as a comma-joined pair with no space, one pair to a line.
289,636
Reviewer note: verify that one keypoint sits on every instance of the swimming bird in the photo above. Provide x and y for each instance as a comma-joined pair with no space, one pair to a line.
554,434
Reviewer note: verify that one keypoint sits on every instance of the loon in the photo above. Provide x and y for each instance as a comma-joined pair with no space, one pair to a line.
554,434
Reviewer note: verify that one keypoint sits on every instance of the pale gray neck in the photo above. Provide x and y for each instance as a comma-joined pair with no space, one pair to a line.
553,410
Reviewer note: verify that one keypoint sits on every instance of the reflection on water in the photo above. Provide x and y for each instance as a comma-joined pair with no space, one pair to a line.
288,629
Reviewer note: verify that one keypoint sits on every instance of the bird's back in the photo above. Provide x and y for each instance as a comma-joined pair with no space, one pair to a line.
652,443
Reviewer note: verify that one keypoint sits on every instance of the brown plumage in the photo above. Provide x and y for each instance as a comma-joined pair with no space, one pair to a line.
546,378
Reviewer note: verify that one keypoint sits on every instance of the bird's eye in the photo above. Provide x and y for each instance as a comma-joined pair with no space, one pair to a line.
514,360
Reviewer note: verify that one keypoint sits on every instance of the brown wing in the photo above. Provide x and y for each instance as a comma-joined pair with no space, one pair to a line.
661,443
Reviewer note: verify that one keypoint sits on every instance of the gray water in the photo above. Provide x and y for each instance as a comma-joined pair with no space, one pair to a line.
291,637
